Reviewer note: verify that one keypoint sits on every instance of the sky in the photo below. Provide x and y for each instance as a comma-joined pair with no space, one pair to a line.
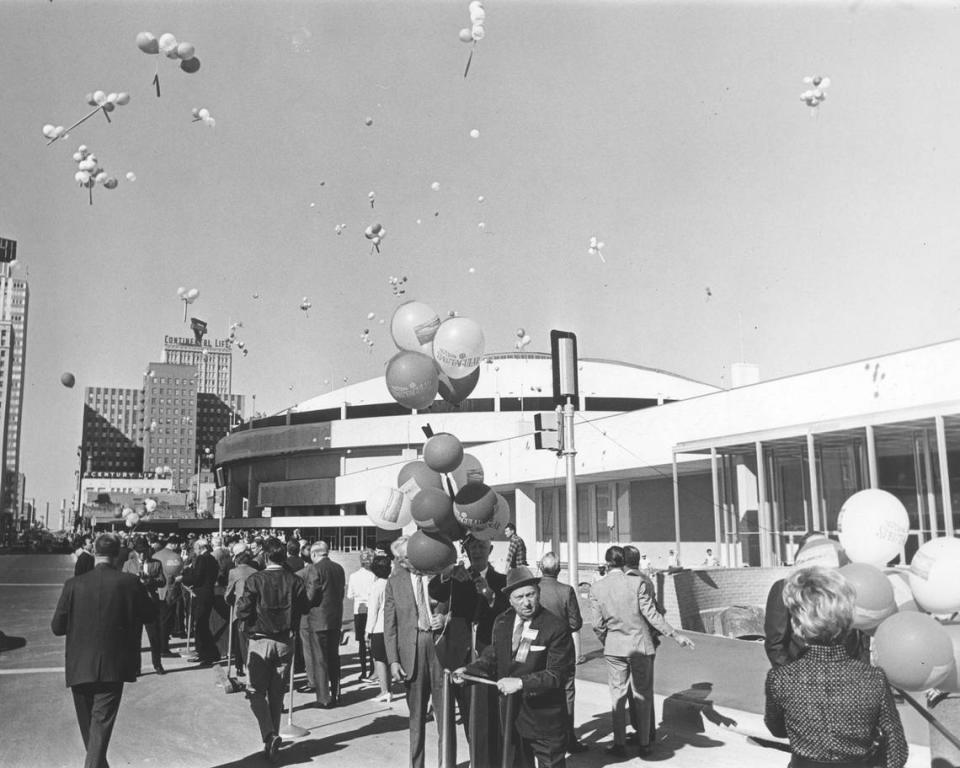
738,224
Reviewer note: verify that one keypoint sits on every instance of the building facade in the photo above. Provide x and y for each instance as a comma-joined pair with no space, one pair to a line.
170,419
14,305
211,358
112,430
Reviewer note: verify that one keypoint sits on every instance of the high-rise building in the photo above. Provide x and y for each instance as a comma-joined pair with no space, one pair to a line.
14,299
211,358
216,416
170,421
7,515
112,430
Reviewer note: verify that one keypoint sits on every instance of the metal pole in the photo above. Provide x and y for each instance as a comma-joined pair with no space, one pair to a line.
715,482
509,717
872,457
676,506
763,511
569,451
448,729
290,730
944,476
928,477
814,485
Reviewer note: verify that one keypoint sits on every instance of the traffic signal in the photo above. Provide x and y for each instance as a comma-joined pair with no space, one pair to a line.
548,437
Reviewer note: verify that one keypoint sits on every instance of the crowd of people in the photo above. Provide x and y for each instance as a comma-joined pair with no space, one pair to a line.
494,641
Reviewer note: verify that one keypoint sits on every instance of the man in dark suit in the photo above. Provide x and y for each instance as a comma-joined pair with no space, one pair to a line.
472,598
101,612
325,582
202,576
409,630
561,601
84,558
531,655
150,573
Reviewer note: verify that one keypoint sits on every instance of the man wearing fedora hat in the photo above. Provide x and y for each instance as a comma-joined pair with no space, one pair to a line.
531,655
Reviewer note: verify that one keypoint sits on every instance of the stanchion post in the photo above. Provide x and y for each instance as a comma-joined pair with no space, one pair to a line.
290,730
506,760
188,609
448,734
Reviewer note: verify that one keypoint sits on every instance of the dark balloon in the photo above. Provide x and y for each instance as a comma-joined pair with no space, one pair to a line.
190,65
455,391
68,380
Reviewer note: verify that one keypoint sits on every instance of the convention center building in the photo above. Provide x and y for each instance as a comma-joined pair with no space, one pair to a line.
661,461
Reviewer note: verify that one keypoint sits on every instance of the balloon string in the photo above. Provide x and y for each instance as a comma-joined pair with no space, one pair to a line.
470,59
81,120
90,190
106,114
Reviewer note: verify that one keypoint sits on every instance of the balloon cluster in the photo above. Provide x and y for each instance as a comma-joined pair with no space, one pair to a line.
434,357
444,494
89,173
202,115
365,338
168,45
813,97
339,228
375,234
187,296
398,284
100,101
475,33
523,339
596,248
916,651
305,305
372,197
54,132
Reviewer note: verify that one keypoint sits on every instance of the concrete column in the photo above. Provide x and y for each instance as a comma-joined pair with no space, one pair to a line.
763,509
944,475
871,457
715,483
525,498
928,478
817,524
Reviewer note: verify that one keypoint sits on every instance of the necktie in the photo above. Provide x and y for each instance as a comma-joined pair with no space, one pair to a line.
423,612
517,634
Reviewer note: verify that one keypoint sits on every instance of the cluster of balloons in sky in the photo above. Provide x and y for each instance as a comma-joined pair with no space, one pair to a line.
398,284
813,97
232,338
915,650
375,234
437,500
434,357
596,248
187,296
100,101
89,173
171,48
475,32
523,340
133,516
202,115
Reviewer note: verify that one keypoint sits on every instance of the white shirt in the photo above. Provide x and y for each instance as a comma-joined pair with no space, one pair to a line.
358,588
375,606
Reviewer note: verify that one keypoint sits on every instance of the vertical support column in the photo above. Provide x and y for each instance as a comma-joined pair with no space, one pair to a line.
928,477
944,475
917,468
715,483
816,523
763,510
570,454
525,499
676,507
871,457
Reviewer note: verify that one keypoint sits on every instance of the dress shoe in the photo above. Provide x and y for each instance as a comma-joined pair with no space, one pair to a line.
615,750
307,689
271,746
158,668
170,655
201,662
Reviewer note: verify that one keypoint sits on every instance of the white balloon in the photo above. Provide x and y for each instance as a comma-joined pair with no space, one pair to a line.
435,186
82,177
48,130
100,97
131,176
477,32
474,134
873,526
167,42
203,113
193,293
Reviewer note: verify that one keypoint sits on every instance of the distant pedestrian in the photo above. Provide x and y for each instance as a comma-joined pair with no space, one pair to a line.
170,594
269,611
358,590
516,549
673,559
709,561
203,577
380,568
645,565
294,561
84,556
101,612
325,587
150,572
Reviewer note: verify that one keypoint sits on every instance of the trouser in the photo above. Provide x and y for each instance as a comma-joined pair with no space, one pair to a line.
570,695
165,613
240,646
546,753
631,677
268,665
206,646
155,635
360,631
311,655
97,705
327,671
427,683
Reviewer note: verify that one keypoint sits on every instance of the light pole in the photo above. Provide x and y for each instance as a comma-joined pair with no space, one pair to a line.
200,455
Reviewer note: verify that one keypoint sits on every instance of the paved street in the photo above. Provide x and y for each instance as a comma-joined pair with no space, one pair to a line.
185,719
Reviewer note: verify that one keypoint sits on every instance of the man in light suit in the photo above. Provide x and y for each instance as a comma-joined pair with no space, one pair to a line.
530,656
410,627
623,614
561,600
102,613
325,582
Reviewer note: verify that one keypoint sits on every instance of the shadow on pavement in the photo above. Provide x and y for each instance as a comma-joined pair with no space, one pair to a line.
304,750
11,643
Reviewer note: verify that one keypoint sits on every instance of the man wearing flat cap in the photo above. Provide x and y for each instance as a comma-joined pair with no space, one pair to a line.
530,658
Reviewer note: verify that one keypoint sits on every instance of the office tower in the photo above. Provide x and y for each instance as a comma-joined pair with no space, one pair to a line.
112,430
170,421
14,299
212,359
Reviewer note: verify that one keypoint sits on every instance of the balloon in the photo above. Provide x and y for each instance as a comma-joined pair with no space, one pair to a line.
150,505
414,326
873,526
190,65
48,130
477,32
147,43
495,526
100,98
111,183
443,452
430,552
458,347
874,601
368,122
821,551
435,186
192,294
899,579
185,51
914,651
181,291
474,506
388,509
203,113
412,380
123,98
432,508
167,42
131,176
469,471
935,575
415,477
952,683
82,176
465,35
455,391
68,380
